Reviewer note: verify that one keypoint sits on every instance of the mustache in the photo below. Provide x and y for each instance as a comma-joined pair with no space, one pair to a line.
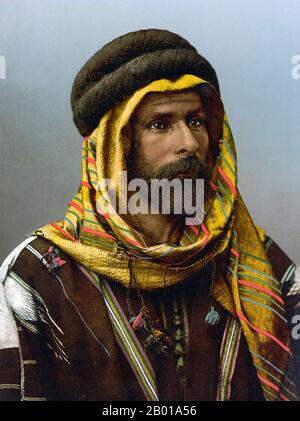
187,164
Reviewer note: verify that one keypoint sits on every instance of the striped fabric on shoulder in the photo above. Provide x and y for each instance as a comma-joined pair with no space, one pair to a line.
228,356
8,331
10,353
283,266
126,338
288,274
10,260
30,316
294,283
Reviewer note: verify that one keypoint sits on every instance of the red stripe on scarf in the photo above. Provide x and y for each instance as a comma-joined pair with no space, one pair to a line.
65,233
86,184
263,332
229,183
206,236
272,386
235,252
91,160
75,205
133,242
268,383
258,288
196,231
98,233
213,186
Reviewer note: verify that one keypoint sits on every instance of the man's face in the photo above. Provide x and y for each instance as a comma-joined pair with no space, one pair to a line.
169,137
170,140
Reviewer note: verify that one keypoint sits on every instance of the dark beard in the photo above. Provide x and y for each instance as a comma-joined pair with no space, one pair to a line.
138,168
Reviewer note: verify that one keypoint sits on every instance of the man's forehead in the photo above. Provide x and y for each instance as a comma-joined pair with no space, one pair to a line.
160,101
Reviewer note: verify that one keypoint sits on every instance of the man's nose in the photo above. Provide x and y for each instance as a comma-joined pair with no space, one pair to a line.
186,142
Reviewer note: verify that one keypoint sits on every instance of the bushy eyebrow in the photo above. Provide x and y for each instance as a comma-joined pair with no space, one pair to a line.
157,115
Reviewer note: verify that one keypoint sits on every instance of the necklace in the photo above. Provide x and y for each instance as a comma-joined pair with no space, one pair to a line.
156,339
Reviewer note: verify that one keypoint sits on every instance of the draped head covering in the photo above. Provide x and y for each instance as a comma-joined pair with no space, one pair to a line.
106,243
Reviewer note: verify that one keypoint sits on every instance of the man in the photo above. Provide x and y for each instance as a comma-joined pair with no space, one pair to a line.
113,304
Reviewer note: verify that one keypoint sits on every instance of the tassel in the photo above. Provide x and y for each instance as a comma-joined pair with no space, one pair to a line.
212,318
52,260
137,322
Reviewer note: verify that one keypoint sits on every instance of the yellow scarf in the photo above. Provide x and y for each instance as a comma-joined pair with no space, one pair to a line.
104,242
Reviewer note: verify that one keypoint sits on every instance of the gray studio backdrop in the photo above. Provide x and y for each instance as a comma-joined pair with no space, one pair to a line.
254,46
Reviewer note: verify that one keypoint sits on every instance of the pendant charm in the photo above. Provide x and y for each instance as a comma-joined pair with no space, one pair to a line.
52,260
158,342
137,323
212,318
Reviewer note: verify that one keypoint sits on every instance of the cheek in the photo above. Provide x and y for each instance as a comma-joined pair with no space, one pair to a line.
155,149
203,143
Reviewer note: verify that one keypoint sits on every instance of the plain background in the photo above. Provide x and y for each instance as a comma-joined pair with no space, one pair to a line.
250,43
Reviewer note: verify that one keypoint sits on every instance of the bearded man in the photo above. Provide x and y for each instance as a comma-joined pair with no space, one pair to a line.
111,305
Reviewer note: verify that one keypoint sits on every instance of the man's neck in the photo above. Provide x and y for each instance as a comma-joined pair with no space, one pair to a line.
158,228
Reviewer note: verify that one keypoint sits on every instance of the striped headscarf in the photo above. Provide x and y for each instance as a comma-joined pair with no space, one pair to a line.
105,242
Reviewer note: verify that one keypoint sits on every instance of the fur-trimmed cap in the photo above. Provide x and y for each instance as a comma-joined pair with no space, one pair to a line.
128,63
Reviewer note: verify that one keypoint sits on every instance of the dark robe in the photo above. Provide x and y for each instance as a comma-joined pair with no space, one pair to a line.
61,354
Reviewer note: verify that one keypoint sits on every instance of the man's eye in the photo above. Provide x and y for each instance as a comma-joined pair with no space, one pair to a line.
157,125
196,122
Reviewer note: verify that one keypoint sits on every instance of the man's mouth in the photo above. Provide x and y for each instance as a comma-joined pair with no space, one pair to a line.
185,174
